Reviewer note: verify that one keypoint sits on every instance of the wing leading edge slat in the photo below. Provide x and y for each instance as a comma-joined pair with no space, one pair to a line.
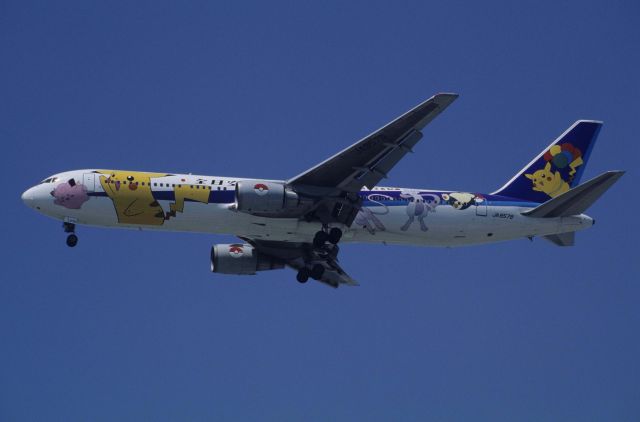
369,160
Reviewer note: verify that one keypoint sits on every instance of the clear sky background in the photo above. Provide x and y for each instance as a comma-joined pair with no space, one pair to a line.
132,326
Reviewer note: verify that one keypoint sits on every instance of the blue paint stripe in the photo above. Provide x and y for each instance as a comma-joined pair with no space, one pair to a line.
215,197
403,203
228,197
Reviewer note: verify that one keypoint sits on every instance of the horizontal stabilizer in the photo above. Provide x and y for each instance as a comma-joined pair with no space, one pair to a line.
576,201
562,239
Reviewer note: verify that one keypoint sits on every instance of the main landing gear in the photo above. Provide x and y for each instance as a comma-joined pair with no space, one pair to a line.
303,275
72,239
315,273
320,240
332,236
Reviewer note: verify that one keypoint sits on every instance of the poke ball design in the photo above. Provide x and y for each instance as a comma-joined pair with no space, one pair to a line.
132,185
261,189
236,251
563,155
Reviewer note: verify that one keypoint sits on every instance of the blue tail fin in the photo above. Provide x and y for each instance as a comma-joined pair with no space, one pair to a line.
558,168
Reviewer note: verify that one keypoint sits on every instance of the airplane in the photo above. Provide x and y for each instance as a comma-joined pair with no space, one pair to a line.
299,222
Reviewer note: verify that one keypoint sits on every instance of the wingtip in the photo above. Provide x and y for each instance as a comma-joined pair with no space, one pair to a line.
598,122
447,94
444,99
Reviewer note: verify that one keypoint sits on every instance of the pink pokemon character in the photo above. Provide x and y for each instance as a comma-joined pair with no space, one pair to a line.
70,195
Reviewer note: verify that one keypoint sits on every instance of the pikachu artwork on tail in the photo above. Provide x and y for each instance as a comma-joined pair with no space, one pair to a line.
548,181
132,198
197,193
558,174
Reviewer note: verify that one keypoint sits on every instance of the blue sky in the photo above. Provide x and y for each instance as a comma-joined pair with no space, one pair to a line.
133,326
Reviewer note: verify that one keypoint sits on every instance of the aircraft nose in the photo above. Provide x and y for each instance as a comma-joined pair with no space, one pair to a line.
28,197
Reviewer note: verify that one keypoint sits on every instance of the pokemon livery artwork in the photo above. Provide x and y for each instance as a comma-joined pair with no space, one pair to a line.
70,195
558,168
136,201
132,196
138,197
557,174
416,204
299,222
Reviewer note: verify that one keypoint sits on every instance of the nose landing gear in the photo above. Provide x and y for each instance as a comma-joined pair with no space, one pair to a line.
72,239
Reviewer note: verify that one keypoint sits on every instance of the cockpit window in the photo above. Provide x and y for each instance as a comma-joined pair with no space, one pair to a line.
50,180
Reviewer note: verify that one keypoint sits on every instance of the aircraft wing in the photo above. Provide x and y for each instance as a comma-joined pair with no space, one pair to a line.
369,160
298,255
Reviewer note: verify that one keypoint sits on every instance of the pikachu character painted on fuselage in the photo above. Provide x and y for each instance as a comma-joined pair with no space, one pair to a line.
132,198
548,181
196,193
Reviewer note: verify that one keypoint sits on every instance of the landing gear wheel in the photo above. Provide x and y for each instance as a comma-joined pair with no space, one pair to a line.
335,234
72,240
317,271
303,275
320,238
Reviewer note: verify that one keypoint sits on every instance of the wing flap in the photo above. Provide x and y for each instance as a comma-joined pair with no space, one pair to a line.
299,255
333,275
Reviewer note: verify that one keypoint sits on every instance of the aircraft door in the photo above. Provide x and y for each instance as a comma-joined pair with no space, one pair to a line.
481,207
89,181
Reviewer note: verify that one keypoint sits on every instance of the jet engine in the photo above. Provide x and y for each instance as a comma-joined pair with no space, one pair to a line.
267,198
241,259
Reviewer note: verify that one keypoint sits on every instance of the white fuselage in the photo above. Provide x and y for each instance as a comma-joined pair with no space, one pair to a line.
389,215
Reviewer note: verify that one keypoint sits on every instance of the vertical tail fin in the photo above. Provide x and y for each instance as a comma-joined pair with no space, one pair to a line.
557,168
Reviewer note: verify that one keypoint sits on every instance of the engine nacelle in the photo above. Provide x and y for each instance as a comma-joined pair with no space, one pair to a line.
241,259
264,198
